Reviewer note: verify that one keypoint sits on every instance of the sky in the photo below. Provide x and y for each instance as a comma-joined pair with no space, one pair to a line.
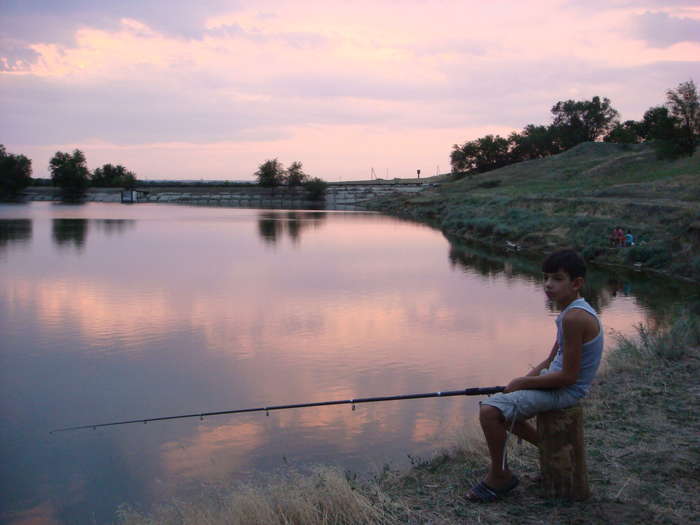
213,88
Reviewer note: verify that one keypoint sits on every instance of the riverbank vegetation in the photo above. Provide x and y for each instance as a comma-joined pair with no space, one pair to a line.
643,452
576,198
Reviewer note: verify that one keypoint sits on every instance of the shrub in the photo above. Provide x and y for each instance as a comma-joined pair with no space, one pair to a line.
316,188
655,255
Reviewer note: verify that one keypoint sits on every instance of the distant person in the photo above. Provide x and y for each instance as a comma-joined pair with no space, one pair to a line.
629,238
559,381
620,237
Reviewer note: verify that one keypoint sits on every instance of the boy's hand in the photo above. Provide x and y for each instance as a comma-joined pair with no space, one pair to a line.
519,383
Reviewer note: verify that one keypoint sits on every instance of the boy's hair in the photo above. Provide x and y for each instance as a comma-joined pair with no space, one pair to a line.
566,260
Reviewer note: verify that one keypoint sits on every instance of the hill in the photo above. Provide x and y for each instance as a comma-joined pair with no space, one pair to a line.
575,199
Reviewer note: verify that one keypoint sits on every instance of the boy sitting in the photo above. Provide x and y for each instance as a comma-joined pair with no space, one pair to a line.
558,382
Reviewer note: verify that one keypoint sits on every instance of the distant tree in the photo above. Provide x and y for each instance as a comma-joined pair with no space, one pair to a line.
627,132
15,173
113,176
582,120
316,188
480,155
463,158
270,173
295,174
684,106
664,132
657,123
70,173
494,152
534,142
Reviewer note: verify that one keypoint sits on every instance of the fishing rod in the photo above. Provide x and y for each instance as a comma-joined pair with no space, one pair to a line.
466,392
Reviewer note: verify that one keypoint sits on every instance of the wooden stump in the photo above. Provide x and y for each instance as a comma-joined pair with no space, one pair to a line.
563,453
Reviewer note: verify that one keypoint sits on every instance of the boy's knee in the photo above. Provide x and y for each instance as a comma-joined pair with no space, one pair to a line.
490,413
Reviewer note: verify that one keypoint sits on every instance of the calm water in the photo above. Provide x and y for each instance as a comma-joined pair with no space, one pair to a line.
111,312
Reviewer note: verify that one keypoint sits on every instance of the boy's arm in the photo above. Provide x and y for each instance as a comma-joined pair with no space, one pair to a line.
573,326
545,364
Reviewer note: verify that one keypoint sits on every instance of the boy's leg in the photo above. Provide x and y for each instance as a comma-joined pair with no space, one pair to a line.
494,426
526,431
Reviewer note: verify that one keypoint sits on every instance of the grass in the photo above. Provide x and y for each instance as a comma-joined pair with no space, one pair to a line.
643,450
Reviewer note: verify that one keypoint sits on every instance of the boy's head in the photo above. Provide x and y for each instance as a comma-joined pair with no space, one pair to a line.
568,261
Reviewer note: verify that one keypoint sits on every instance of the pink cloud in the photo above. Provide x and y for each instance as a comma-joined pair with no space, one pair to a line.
342,87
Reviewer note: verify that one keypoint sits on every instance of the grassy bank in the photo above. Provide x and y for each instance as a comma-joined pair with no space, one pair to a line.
643,447
575,199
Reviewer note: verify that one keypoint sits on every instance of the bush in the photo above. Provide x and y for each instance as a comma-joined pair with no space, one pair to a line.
670,343
113,176
655,255
316,188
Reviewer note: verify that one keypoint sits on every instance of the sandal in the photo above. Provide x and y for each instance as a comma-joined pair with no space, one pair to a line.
482,493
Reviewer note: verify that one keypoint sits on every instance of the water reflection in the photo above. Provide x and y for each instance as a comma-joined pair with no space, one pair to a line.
69,232
111,226
370,307
15,231
272,225
74,231
602,285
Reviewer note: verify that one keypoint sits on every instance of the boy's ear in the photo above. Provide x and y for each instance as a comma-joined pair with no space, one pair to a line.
578,283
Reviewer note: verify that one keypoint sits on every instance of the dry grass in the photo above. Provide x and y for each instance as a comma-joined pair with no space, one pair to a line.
324,497
643,450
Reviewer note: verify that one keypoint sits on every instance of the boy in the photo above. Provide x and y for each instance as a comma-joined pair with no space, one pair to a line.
558,382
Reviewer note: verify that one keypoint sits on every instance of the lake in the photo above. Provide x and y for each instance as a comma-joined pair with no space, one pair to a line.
111,312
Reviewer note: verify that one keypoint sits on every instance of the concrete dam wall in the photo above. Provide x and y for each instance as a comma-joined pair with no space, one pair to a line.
338,196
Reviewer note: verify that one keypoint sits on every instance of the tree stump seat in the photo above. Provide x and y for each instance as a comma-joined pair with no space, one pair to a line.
563,454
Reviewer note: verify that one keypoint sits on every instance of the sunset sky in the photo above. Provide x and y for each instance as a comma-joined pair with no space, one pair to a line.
210,89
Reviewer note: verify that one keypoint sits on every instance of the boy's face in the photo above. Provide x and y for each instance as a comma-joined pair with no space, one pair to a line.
561,288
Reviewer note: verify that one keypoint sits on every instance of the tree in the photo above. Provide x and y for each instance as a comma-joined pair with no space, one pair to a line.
626,133
657,123
113,176
664,132
463,158
295,174
480,155
316,188
534,142
582,120
684,106
70,173
15,173
270,173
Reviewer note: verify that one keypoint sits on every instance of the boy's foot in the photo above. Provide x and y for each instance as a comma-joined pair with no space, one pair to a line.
482,493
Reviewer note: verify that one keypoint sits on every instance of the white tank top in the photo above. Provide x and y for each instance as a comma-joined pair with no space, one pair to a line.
591,352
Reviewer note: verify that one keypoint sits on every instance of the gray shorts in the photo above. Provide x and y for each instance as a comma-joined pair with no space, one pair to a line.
523,404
